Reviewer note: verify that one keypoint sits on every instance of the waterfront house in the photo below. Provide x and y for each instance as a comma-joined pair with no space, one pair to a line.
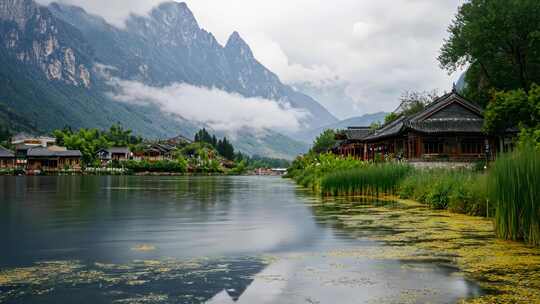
7,159
155,152
448,129
179,141
114,154
350,141
40,159
33,141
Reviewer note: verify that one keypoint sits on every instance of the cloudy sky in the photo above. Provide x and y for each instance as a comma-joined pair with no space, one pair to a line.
356,56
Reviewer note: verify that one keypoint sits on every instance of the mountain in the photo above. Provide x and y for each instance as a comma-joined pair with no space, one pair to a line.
51,72
361,121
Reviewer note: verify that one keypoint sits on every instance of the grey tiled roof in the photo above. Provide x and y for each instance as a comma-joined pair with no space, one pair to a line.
459,116
448,125
390,129
44,152
118,150
356,133
5,153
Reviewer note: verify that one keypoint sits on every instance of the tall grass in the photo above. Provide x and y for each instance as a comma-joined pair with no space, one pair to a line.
368,180
459,191
310,169
515,189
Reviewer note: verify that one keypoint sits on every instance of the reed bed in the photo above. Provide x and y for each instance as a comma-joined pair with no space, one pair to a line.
515,189
461,191
369,180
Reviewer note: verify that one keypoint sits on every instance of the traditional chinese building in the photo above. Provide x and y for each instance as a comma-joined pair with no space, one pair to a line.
114,154
449,129
7,159
40,159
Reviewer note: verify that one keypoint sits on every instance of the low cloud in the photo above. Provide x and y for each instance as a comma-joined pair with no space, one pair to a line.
222,111
370,51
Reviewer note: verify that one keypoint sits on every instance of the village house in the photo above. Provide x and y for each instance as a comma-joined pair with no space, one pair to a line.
33,141
24,142
52,159
448,129
114,154
7,159
155,152
179,141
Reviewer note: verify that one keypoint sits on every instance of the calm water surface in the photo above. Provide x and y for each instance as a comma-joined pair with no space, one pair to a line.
192,240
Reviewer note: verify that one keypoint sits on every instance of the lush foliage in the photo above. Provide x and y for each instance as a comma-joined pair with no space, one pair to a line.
391,117
204,136
223,146
411,102
513,108
462,191
324,142
515,189
500,40
458,191
308,170
367,180
90,141
202,157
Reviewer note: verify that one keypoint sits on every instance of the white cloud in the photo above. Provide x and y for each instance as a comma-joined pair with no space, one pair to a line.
220,110
378,48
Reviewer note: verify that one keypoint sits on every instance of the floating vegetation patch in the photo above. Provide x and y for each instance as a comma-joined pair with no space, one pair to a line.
144,248
509,271
142,281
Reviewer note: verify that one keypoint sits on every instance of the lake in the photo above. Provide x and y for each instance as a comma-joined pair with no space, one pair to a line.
195,240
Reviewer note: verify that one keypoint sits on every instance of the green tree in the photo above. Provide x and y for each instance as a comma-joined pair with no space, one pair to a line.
515,108
324,142
204,137
225,149
500,42
411,102
391,117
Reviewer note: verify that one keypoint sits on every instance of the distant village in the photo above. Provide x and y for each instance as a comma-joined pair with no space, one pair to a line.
37,155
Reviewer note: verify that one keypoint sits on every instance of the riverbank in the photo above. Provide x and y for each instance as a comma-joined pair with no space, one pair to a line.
508,191
485,223
413,233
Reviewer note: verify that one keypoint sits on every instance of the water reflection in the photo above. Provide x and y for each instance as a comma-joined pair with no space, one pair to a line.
197,240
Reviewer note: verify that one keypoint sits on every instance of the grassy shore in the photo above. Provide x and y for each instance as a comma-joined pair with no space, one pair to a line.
509,192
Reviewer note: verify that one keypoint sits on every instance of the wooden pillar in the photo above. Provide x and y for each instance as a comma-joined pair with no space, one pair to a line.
365,151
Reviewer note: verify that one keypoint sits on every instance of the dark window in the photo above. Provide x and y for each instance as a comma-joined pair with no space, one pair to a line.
433,147
472,147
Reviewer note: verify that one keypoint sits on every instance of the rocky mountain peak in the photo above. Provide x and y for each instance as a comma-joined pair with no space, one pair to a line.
175,14
18,11
237,45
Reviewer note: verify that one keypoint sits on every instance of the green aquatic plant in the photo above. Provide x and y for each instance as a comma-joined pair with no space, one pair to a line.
372,179
461,191
515,189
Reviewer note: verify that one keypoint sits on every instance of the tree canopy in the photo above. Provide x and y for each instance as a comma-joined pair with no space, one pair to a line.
411,102
515,108
90,141
223,146
324,142
499,42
